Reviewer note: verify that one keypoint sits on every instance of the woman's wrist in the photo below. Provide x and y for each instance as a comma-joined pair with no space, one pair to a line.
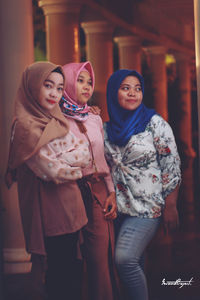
112,193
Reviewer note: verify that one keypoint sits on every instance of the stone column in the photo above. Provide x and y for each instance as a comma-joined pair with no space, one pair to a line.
184,125
62,30
99,50
159,78
129,52
16,52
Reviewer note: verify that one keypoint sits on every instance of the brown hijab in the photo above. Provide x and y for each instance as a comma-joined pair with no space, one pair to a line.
33,127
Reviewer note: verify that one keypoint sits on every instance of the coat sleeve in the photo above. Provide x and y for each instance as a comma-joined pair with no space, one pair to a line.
49,166
74,151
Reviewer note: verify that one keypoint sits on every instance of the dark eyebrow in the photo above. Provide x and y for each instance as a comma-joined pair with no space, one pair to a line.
130,84
49,80
81,76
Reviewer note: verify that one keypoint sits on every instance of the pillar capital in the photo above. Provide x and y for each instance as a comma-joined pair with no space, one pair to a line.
127,41
156,50
129,52
97,27
60,7
62,19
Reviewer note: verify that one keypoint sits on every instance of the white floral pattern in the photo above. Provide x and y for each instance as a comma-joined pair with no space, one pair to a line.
146,170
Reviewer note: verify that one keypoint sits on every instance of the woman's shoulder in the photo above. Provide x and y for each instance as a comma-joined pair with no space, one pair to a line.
159,124
23,127
157,120
23,122
95,118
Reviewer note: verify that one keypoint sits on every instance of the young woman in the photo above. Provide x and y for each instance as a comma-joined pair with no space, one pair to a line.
46,159
145,167
96,185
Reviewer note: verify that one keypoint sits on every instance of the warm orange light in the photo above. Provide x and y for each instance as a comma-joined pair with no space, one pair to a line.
76,40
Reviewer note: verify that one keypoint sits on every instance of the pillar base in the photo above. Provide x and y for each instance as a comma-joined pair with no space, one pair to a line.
16,261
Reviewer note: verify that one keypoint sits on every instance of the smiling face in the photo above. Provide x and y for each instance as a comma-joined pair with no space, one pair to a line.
130,93
51,91
84,88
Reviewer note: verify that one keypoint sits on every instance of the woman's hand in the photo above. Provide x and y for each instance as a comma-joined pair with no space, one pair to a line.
95,110
170,213
170,218
110,207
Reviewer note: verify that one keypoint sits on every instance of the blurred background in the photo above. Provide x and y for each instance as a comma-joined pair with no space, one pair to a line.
156,38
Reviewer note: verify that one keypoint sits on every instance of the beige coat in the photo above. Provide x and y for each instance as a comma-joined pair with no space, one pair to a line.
47,209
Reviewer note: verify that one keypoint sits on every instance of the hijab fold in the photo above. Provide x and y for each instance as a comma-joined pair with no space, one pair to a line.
124,123
69,102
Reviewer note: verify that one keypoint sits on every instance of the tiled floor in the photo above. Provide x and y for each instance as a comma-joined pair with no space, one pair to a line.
170,257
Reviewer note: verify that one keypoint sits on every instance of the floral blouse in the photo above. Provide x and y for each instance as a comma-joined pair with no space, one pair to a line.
146,170
62,159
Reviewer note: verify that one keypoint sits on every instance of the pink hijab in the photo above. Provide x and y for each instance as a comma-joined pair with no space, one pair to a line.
68,104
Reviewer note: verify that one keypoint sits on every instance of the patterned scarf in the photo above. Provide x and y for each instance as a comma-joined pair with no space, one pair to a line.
73,110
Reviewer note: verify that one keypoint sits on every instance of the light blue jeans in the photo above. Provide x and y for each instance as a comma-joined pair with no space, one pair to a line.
133,237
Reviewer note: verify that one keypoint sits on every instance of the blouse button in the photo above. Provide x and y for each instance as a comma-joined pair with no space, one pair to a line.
50,165
44,176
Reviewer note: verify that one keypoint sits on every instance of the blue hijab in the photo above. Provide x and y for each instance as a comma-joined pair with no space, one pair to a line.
124,123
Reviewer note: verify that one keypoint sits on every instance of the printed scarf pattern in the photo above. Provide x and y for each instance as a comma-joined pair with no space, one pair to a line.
73,111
